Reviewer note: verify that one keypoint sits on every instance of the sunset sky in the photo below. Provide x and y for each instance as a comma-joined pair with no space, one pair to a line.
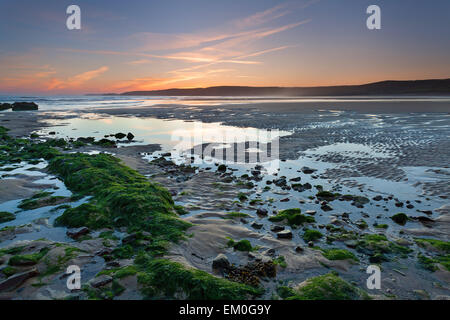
146,45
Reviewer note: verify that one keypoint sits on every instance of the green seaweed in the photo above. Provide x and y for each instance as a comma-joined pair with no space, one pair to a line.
292,216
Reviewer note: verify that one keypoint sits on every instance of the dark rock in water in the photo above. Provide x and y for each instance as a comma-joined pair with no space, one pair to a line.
16,280
428,212
52,133
255,172
285,234
299,249
86,140
262,212
276,228
24,106
399,204
130,136
301,187
106,143
307,170
297,179
377,198
220,263
284,200
310,212
280,182
77,232
101,281
222,168
400,218
257,225
5,106
423,219
120,135
410,206
326,207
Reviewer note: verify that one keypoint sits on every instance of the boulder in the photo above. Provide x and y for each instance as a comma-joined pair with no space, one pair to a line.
261,212
100,281
257,225
77,232
220,262
120,135
285,234
307,170
5,106
16,280
276,228
130,136
24,106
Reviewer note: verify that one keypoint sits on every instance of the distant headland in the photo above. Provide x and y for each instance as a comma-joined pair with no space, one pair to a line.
388,87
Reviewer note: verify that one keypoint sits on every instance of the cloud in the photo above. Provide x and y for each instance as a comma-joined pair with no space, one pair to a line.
76,80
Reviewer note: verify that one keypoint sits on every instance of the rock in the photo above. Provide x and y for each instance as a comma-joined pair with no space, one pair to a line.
261,212
310,212
276,228
103,252
222,168
310,244
17,279
326,207
400,218
77,232
130,136
284,200
285,234
280,182
428,212
100,281
299,249
336,222
399,204
307,170
220,262
120,135
351,243
5,106
257,225
410,206
129,238
377,198
113,264
86,140
24,106
297,179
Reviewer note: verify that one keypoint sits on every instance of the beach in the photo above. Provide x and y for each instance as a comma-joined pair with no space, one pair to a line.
350,166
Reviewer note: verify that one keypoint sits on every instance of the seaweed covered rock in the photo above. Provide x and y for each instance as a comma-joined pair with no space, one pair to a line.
292,216
24,106
121,197
326,287
400,218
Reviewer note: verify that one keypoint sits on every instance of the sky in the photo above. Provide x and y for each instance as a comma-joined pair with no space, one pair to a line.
149,45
